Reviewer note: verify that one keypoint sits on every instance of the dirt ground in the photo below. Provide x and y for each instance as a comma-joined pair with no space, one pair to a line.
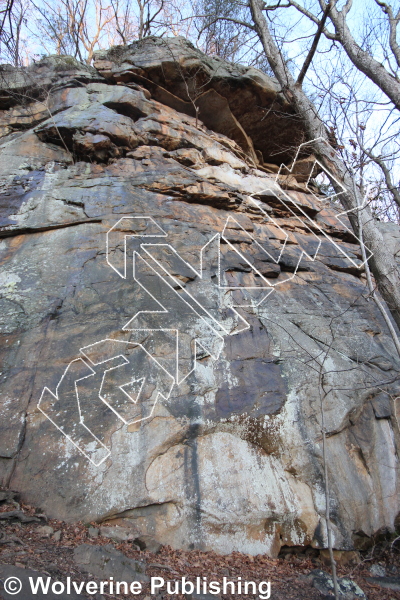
22,545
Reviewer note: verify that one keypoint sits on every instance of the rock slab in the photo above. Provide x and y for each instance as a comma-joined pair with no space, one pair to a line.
10,572
348,589
389,583
104,562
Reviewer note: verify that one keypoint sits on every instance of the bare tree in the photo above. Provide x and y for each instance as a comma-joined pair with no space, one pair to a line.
365,129
383,265
13,17
362,58
123,27
137,19
5,15
79,27
146,17
74,27
219,35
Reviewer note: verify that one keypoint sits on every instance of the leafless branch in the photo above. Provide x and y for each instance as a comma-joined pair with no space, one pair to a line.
314,46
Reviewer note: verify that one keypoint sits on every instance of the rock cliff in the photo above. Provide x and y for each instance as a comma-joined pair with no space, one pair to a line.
181,316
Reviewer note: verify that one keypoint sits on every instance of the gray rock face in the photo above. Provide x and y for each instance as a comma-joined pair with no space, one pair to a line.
18,576
201,597
146,542
348,589
104,562
37,79
171,317
118,534
389,583
378,571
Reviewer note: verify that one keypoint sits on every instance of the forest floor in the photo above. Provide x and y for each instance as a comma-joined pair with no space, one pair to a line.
24,545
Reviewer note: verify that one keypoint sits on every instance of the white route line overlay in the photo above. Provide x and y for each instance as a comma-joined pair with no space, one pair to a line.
198,272
81,422
286,200
138,378
55,395
126,327
314,223
113,228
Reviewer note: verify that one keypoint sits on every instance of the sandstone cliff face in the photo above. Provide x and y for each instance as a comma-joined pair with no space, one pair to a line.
183,396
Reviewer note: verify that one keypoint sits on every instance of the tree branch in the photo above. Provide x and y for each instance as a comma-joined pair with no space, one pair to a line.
393,22
383,264
371,286
363,60
314,46
217,19
394,190
312,17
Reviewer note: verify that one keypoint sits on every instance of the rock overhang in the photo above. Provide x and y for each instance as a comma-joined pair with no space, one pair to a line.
253,98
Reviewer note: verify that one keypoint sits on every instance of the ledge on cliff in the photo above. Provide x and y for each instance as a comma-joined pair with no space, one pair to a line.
240,102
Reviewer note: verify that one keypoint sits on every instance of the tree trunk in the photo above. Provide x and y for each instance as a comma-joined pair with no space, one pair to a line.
383,264
364,62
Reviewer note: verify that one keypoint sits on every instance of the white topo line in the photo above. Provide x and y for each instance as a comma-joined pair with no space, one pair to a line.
139,225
